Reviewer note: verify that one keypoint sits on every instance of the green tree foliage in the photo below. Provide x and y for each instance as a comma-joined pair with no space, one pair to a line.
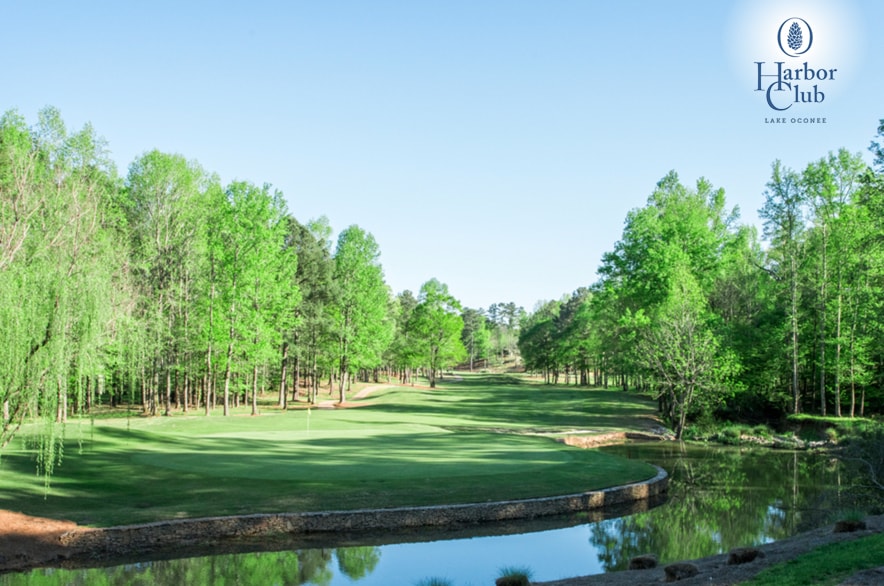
783,215
61,264
402,352
436,327
504,321
357,562
256,287
171,290
166,287
537,340
790,324
361,311
677,238
476,337
681,352
312,335
831,184
165,209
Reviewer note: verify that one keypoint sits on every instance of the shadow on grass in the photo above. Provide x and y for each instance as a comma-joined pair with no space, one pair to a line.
366,457
180,477
520,406
483,380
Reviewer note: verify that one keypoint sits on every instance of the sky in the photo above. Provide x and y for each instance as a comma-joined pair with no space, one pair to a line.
494,145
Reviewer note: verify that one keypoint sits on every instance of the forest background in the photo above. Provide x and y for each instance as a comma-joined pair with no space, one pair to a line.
495,148
169,290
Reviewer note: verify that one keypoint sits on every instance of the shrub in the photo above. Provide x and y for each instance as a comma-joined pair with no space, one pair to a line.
832,435
730,435
514,577
761,430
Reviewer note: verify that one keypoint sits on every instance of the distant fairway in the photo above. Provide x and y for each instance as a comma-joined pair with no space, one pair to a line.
469,441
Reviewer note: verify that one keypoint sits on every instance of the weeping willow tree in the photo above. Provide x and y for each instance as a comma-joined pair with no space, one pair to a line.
60,267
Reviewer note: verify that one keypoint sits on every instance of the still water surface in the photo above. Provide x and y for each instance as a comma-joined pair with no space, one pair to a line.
719,498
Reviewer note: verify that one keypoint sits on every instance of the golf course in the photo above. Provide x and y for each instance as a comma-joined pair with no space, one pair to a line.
474,438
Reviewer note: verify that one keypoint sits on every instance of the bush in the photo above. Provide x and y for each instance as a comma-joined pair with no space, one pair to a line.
730,435
514,577
832,435
694,433
762,431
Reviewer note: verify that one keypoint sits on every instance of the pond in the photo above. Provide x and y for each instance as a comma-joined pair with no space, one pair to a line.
719,498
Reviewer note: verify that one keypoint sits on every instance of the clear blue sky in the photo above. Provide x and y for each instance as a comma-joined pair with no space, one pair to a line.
494,145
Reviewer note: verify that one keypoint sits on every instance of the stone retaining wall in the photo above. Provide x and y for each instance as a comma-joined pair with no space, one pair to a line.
130,539
609,439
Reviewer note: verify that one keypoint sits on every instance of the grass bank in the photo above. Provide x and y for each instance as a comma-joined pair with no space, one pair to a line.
827,565
472,440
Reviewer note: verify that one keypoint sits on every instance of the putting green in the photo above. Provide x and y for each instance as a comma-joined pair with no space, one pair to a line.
404,447
336,456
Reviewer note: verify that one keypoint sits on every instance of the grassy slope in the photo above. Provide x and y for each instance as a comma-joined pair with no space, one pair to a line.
829,564
407,446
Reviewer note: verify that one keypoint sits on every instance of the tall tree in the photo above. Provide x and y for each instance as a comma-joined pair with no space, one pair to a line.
538,341
402,351
680,350
60,268
437,325
831,184
165,211
475,337
361,311
312,334
250,236
783,216
679,229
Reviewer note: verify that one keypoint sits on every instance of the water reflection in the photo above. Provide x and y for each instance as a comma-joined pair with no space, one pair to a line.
725,498
719,499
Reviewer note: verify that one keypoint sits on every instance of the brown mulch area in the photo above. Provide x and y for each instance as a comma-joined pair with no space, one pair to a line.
27,542
715,571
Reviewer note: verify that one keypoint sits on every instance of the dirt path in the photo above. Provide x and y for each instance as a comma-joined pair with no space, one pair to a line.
29,541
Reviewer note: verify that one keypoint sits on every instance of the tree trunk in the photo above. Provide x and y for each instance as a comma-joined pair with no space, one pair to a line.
186,392
168,405
838,354
796,396
61,415
343,384
210,398
255,390
227,375
283,375
154,392
823,330
296,376
207,394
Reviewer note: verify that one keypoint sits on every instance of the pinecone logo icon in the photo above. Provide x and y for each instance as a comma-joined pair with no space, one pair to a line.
795,37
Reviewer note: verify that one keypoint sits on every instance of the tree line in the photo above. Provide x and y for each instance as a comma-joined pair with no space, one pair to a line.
718,320
166,289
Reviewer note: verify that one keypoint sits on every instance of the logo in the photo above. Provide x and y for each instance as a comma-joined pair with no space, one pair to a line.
795,37
787,84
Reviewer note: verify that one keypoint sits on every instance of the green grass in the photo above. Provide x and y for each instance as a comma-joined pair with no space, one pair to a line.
464,442
829,564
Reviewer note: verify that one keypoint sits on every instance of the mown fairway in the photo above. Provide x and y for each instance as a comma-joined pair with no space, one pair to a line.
468,441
